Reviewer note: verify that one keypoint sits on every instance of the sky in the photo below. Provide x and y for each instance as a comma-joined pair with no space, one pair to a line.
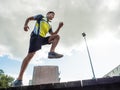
99,19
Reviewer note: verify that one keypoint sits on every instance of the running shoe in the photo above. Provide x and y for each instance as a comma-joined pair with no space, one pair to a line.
17,83
52,55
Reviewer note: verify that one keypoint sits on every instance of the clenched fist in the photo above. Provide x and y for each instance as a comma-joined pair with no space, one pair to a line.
61,24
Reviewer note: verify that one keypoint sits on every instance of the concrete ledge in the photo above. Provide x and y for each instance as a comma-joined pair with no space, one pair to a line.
92,84
101,81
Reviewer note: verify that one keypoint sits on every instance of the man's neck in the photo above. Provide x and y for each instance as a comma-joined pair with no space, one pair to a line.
48,20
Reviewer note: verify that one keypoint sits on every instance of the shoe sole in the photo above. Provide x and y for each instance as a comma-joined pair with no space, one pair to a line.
55,57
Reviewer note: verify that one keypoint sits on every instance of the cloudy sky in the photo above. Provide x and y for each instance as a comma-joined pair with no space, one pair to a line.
99,19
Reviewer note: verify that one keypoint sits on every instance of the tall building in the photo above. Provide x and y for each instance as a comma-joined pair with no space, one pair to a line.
45,74
114,72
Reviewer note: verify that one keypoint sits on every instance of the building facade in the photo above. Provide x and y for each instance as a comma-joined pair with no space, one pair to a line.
114,72
45,74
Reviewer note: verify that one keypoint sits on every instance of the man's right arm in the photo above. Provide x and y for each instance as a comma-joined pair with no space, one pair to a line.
26,27
37,17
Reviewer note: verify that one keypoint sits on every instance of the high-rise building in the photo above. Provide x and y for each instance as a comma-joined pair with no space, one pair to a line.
45,74
114,72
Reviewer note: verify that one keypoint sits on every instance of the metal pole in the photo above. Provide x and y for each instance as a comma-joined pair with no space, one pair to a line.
84,35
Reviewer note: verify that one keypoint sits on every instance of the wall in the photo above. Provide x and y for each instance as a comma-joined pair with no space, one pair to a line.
92,84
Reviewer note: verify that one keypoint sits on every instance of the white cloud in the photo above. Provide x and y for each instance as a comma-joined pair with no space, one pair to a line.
3,50
90,16
110,4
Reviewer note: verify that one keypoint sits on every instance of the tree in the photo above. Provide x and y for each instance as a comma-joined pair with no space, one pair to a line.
5,80
1,71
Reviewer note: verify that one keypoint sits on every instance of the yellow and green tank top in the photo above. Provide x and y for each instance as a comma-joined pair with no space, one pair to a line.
42,26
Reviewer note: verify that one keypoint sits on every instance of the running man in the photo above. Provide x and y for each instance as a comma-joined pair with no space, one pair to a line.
38,38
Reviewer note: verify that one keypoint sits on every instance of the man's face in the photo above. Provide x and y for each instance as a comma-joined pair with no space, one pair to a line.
50,16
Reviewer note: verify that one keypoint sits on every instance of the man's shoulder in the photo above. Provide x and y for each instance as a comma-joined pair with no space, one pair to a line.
38,17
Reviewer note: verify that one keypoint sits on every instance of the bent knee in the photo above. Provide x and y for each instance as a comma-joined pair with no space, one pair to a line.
57,36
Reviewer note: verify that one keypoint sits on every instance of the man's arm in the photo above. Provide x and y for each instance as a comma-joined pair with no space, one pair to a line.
60,26
26,27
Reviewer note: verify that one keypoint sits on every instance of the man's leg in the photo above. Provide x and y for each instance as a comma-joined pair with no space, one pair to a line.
23,68
25,64
54,39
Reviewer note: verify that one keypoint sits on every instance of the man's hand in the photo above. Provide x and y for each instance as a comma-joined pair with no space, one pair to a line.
26,28
61,24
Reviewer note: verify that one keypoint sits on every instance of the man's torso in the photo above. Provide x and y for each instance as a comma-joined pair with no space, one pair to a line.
42,26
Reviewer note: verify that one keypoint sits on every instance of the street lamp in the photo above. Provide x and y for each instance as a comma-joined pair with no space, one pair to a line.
84,35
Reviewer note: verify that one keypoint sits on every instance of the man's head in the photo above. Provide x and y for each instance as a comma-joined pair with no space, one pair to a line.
50,15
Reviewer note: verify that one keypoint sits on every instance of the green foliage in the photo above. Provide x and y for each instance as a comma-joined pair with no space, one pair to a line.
5,80
1,71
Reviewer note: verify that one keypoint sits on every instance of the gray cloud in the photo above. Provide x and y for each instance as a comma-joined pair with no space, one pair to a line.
90,16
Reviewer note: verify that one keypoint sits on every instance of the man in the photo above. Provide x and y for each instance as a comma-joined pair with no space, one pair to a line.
38,38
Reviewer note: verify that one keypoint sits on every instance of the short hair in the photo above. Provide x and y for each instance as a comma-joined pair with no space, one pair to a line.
50,12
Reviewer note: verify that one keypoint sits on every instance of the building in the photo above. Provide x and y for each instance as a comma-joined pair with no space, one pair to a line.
114,72
45,74
30,82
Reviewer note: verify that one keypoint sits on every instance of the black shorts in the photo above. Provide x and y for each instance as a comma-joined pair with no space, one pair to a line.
36,42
